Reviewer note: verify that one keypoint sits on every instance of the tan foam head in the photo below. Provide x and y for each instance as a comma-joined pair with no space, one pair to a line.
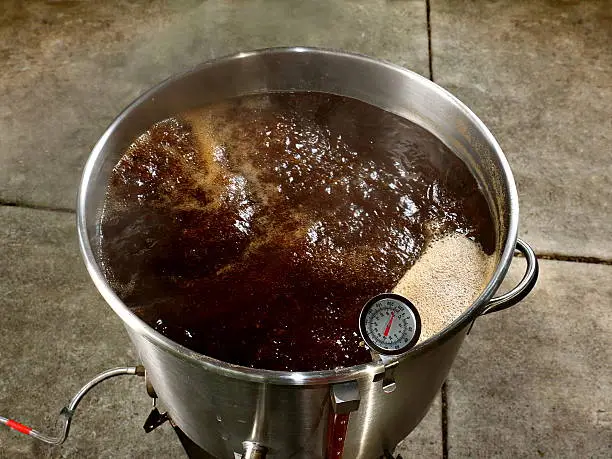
445,280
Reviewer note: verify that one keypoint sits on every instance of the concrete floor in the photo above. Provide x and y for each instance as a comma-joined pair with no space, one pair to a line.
532,381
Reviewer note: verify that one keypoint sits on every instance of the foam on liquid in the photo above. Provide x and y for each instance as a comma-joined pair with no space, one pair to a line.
445,280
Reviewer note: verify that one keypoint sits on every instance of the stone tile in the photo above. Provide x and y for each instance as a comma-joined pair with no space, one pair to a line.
535,380
425,441
56,332
538,74
70,67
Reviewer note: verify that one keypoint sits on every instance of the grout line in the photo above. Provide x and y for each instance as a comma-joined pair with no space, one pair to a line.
444,396
26,205
574,258
570,258
428,13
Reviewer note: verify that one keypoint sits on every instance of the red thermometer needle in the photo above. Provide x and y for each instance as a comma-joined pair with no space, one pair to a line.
389,324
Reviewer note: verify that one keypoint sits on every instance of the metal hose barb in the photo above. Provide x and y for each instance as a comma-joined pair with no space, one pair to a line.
65,416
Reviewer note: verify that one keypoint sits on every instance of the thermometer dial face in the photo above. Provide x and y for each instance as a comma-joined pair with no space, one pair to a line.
390,324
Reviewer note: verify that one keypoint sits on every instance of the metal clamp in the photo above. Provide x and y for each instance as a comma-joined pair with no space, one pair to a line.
523,288
388,383
387,373
345,397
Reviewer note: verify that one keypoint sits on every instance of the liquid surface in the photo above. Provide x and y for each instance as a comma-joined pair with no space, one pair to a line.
253,231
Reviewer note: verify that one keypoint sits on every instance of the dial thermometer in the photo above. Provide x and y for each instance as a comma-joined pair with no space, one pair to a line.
389,324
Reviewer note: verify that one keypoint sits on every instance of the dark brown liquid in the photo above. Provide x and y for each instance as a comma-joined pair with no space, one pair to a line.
253,231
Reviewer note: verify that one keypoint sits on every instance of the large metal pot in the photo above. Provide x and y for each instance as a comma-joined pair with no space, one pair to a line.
220,406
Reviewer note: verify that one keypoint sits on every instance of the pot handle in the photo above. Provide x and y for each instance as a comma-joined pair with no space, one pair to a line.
523,288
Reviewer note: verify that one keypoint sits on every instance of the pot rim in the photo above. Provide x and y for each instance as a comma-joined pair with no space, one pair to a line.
308,378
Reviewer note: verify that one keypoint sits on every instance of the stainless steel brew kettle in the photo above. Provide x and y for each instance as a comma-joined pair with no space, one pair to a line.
229,410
